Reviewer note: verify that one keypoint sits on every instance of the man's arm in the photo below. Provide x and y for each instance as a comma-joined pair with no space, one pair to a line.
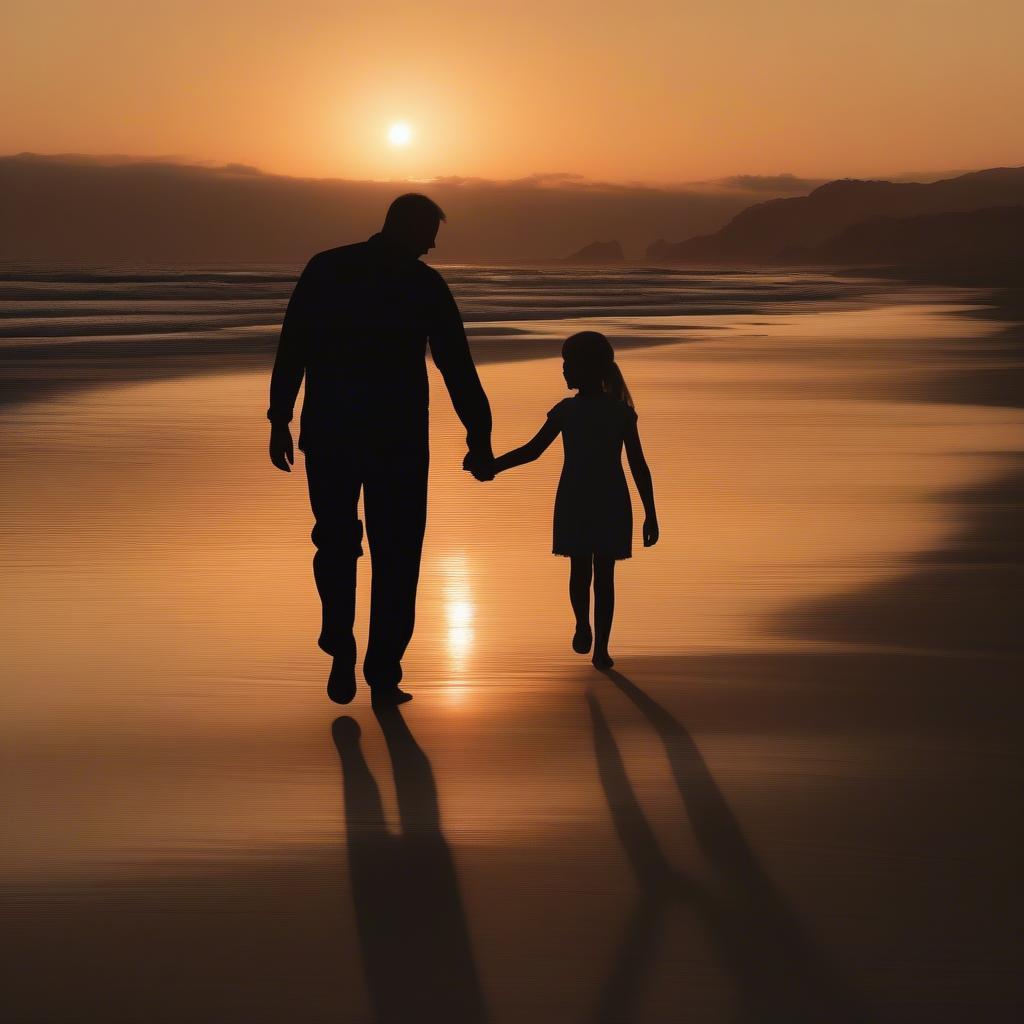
450,349
289,367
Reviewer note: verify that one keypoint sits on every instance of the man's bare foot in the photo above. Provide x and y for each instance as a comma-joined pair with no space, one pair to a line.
389,697
602,659
582,639
341,686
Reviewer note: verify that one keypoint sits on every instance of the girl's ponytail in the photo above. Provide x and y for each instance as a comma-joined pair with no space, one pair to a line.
615,384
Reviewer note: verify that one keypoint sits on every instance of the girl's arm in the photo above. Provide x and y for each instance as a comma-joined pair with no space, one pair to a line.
644,485
530,451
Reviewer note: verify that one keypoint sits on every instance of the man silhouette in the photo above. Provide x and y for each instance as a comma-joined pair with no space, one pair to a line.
357,327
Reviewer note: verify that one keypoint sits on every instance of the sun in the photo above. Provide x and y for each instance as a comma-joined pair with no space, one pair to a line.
400,134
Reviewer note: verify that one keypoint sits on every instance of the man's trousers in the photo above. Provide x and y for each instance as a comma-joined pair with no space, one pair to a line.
393,482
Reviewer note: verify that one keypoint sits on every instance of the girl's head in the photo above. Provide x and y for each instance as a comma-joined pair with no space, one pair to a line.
588,361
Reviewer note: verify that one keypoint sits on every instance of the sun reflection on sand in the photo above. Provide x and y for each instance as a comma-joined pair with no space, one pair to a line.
459,612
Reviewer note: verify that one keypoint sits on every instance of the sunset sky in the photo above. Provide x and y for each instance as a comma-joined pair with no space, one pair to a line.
652,90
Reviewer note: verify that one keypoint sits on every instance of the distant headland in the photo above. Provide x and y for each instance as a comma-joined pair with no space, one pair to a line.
974,220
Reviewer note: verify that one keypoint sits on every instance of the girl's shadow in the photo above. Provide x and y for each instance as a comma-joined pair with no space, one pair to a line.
412,929
779,974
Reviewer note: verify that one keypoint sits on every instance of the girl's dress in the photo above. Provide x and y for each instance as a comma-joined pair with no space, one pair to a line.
593,510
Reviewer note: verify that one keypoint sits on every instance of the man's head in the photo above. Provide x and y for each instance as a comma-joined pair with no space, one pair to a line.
412,222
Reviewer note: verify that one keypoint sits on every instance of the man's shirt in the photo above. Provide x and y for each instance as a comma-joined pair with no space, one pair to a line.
357,327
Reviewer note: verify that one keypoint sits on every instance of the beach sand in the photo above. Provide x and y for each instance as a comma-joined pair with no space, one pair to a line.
796,799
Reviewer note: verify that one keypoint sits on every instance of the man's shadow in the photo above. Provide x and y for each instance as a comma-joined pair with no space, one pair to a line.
779,974
415,943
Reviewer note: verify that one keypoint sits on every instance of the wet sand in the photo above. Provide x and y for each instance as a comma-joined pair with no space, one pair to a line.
798,800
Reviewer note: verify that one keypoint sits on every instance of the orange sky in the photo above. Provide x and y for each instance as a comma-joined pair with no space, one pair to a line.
650,90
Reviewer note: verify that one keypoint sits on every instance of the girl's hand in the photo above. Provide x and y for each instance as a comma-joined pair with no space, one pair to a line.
651,532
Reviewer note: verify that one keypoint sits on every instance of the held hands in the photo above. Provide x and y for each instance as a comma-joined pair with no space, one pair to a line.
480,465
282,452
651,531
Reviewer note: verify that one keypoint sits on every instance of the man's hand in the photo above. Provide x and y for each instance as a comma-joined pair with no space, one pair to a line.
651,532
481,466
282,452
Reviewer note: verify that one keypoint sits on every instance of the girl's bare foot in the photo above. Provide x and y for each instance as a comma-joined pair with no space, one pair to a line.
602,659
582,638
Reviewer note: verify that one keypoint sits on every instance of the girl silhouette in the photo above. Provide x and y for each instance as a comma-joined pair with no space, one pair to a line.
593,513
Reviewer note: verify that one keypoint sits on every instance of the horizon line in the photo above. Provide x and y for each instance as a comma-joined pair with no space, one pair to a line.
740,182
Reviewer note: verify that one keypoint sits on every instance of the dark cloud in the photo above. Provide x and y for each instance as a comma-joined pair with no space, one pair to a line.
100,208
779,184
113,208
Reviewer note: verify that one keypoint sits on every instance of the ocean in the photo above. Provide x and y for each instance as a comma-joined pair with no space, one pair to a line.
158,308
